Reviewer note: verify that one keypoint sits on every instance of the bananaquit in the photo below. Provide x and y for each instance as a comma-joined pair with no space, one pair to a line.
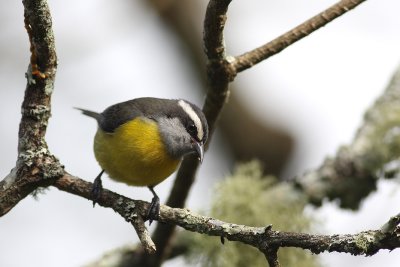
141,142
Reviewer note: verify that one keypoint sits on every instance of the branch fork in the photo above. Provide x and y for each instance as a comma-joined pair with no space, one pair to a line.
37,167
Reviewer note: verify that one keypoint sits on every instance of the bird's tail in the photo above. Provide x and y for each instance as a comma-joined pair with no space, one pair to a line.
89,113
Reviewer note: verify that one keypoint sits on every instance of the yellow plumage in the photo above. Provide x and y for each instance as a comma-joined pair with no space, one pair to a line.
134,153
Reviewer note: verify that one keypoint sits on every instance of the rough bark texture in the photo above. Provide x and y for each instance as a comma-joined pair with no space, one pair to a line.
35,166
264,238
375,146
354,171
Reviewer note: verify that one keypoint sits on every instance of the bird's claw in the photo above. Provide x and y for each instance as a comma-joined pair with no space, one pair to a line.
154,210
96,189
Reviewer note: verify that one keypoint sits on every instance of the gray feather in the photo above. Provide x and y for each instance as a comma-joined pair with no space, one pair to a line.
148,107
90,113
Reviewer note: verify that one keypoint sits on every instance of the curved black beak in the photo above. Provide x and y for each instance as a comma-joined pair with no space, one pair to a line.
199,148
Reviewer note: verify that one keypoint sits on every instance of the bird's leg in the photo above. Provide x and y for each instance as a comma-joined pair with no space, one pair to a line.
154,209
97,188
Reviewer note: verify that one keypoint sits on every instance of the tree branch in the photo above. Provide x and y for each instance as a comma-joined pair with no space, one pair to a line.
249,59
215,100
271,254
352,174
132,211
264,238
221,70
265,141
35,166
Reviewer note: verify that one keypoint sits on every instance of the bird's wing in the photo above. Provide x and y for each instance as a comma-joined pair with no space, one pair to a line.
118,114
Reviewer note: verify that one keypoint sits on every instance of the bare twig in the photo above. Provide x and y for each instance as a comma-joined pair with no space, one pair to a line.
391,225
263,238
272,257
131,211
271,254
249,59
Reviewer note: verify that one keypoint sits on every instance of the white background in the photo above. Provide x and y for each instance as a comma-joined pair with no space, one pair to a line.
111,51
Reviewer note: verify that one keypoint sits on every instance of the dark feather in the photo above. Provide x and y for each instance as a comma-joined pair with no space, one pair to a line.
89,113
148,107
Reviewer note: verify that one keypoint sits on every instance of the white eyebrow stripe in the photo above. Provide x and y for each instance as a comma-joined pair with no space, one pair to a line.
193,115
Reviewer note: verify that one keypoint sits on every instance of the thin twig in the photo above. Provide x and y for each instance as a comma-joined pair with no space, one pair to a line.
271,254
391,225
131,211
251,58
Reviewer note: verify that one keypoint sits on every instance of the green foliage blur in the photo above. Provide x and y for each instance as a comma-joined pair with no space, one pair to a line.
247,197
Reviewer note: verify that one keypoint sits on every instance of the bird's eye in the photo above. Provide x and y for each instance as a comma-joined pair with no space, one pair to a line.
191,128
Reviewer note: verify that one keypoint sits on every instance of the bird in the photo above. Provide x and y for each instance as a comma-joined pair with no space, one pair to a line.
142,141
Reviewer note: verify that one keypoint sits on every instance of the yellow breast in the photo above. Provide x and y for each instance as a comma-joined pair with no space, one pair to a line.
134,153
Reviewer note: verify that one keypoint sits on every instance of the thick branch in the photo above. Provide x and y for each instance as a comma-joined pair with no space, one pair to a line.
36,166
259,54
215,100
263,238
40,77
16,186
214,24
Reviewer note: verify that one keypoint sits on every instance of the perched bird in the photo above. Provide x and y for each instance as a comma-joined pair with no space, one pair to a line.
141,142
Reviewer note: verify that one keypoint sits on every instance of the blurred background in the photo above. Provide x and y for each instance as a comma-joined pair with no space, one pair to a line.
290,111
